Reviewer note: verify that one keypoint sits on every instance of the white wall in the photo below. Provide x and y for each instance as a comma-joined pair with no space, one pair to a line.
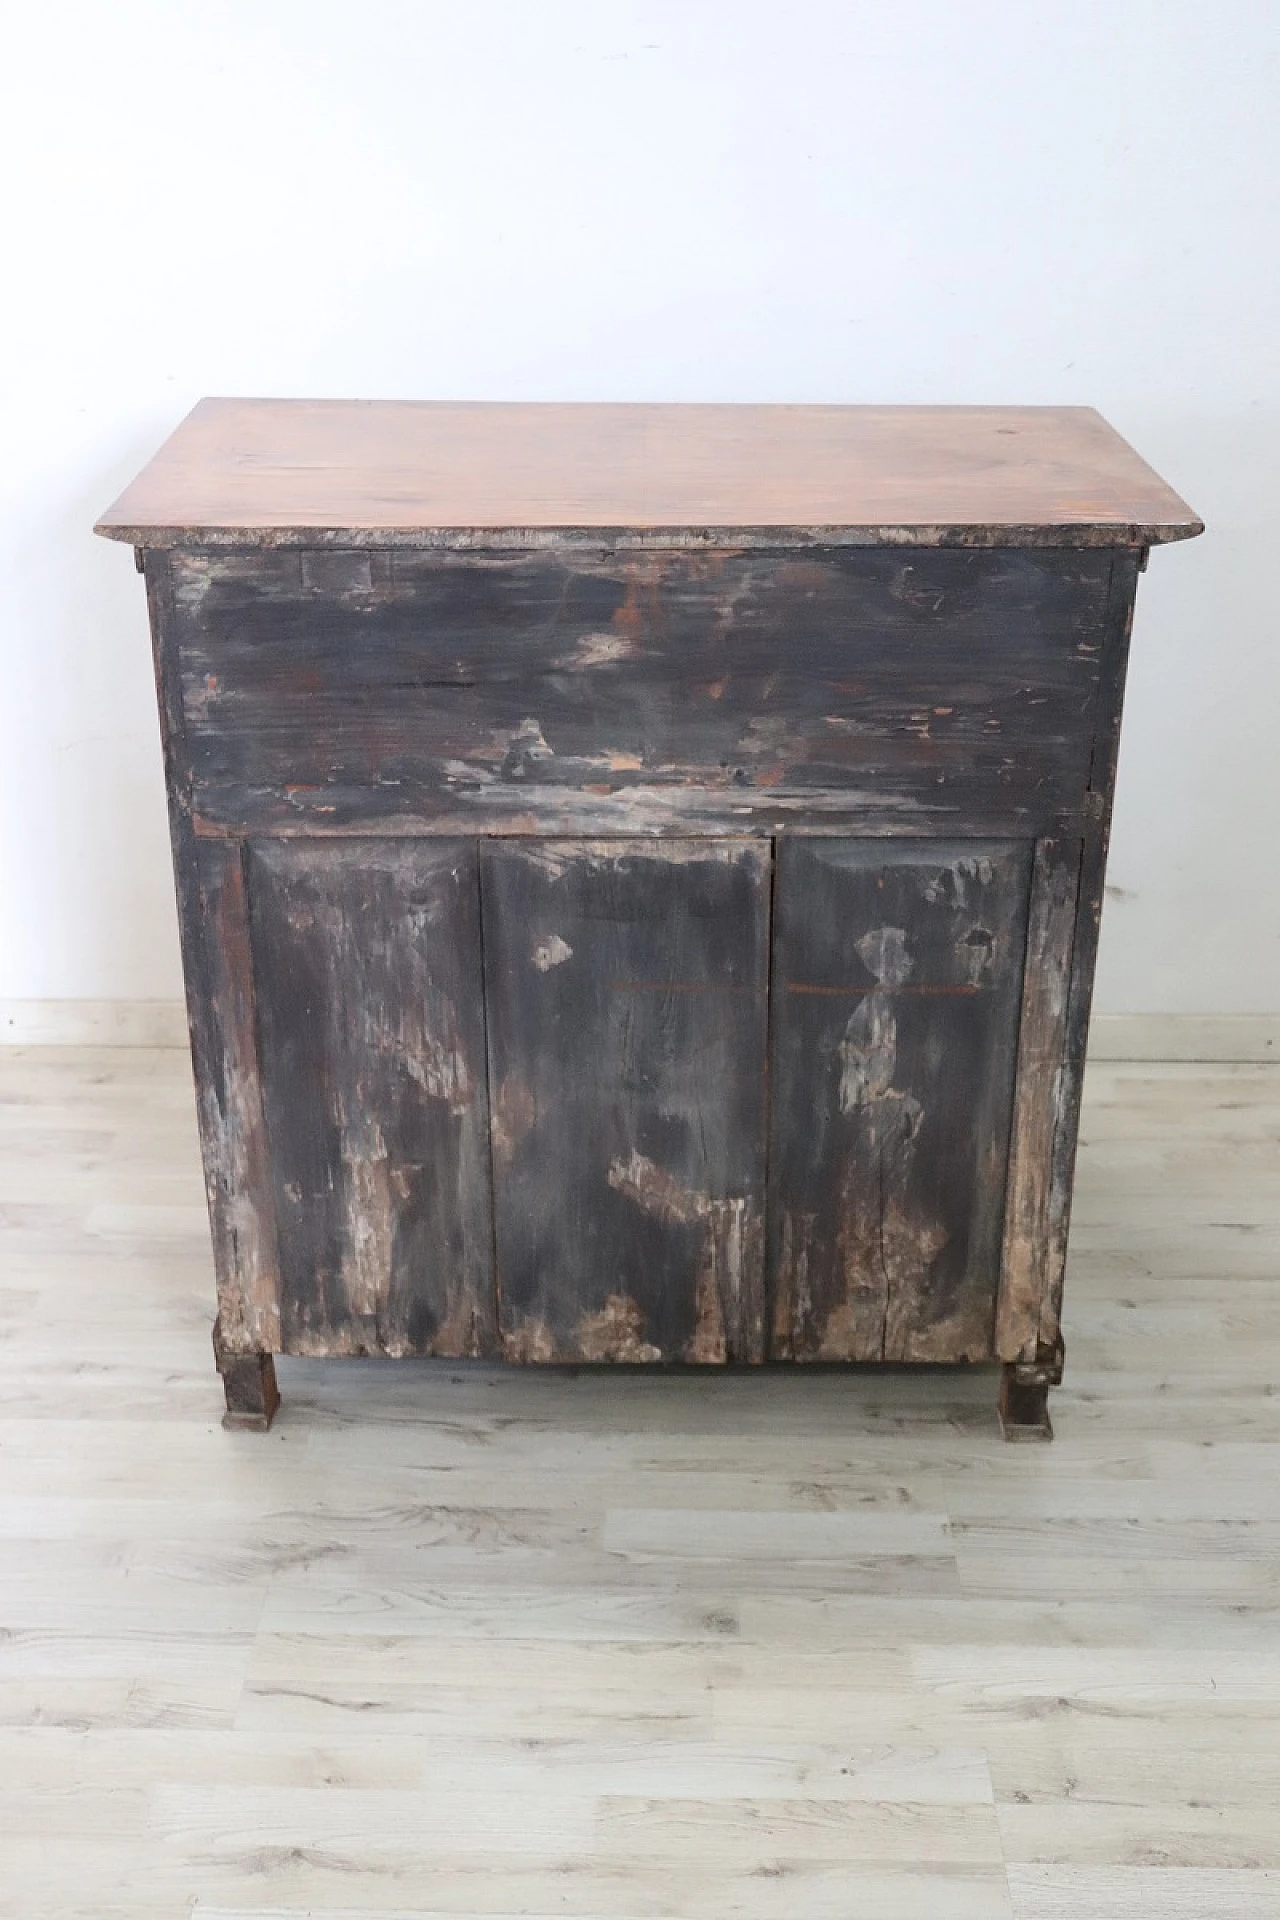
732,200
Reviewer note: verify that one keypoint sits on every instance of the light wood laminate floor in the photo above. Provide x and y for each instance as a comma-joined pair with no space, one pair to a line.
485,1642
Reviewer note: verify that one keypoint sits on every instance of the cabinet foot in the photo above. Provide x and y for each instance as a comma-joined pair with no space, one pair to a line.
249,1381
1024,1395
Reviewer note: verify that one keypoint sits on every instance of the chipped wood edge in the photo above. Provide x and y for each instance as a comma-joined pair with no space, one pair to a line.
520,539
1037,1094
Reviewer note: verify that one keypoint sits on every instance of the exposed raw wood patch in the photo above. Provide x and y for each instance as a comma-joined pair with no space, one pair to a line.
868,1053
515,1112
725,1305
528,1341
551,952
526,749
598,650
886,1246
370,1238
733,1246
1041,1044
657,1191
616,1333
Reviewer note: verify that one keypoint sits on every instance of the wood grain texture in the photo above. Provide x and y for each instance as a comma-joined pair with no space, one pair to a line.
626,988
368,966
221,998
1038,1093
217,964
358,710
678,692
896,980
249,1383
1084,955
486,1640
303,472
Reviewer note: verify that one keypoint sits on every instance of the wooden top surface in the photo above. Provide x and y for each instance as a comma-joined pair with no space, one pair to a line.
423,473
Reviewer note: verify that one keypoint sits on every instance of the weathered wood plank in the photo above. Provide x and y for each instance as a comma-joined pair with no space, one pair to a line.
1041,1043
695,692
229,1090
1125,569
896,978
627,997
368,964
221,1014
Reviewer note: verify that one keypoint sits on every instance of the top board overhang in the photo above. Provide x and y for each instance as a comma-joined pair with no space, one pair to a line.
316,473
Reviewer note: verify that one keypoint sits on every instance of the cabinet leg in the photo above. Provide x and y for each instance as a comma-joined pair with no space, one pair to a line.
249,1381
1024,1395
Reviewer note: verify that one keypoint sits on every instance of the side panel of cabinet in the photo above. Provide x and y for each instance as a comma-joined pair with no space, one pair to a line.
897,976
627,990
371,1026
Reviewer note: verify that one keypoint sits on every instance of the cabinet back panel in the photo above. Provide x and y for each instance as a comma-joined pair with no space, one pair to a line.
626,987
897,978
367,963
883,690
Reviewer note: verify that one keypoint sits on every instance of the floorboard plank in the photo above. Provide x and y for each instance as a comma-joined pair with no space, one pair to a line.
468,1640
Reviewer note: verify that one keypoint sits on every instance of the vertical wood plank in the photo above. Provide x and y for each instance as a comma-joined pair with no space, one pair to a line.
896,974
229,1092
627,995
221,1015
1038,1093
1125,568
369,971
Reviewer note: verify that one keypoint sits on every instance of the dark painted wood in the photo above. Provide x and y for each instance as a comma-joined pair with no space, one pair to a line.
222,1020
627,992
368,967
249,1382
1084,953
237,1155
896,979
918,694
881,691
1023,1406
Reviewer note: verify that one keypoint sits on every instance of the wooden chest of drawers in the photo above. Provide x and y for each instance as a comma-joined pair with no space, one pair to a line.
640,870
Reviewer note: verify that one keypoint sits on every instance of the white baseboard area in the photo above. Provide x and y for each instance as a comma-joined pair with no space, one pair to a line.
93,1023
1113,1036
